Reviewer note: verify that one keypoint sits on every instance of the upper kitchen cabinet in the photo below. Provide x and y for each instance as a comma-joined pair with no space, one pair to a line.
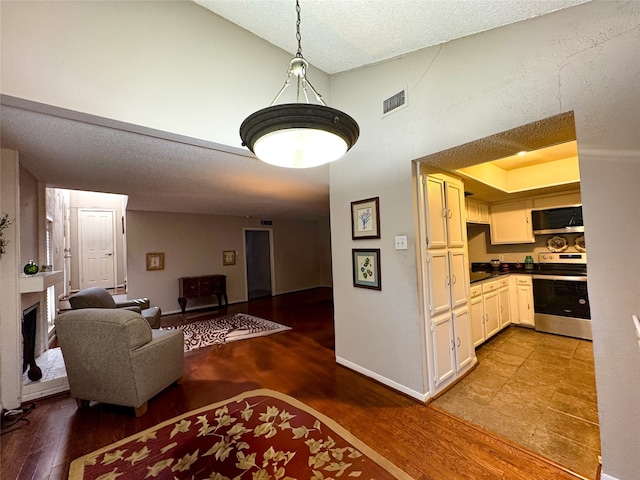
569,199
444,208
511,222
477,212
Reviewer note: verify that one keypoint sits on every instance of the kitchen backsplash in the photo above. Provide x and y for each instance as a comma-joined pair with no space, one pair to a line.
481,250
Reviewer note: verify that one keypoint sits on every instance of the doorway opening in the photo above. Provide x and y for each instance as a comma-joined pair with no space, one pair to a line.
65,241
527,383
258,249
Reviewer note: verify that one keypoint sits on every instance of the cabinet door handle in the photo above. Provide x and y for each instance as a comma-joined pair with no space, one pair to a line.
453,279
453,345
459,342
449,213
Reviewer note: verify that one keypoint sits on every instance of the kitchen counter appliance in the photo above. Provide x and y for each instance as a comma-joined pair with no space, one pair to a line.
561,303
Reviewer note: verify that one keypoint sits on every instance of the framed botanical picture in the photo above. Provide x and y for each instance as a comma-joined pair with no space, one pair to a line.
155,261
229,257
366,268
365,219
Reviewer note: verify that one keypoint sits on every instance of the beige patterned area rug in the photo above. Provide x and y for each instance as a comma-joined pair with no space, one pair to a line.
226,328
260,434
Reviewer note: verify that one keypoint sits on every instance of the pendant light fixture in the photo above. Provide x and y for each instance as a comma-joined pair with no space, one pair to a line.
299,135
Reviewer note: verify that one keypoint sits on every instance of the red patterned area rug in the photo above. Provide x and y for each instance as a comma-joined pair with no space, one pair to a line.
256,435
226,328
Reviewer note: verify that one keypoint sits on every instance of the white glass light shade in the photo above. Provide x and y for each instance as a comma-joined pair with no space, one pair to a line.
299,148
299,135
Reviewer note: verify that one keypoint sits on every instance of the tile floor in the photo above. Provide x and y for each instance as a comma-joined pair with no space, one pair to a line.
537,390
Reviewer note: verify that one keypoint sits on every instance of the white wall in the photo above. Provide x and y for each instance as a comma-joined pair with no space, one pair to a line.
584,59
10,311
193,246
169,65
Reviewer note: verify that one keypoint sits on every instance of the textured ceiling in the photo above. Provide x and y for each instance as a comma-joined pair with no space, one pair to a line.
165,172
159,172
340,35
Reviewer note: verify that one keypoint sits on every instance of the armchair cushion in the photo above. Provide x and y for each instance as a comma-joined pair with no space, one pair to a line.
113,356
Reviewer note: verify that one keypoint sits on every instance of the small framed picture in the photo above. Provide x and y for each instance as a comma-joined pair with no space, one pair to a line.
229,257
366,268
365,218
155,261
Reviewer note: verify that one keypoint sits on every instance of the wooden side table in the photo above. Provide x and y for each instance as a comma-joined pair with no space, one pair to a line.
203,286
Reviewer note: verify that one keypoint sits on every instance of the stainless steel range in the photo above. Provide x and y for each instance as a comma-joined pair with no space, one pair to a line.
561,303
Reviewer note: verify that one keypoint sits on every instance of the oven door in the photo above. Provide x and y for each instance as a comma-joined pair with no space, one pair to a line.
561,305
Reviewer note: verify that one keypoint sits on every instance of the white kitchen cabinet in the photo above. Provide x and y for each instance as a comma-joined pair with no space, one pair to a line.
477,211
487,309
504,303
464,352
511,222
442,336
459,278
447,270
568,199
456,226
491,313
476,314
439,282
522,300
445,225
435,210
446,277
451,344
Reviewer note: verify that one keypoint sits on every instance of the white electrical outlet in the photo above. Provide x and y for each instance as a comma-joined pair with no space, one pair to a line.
401,242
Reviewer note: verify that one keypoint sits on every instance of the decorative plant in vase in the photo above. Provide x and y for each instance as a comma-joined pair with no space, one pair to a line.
4,223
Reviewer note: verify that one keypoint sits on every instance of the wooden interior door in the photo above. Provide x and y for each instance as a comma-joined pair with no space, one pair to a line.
97,248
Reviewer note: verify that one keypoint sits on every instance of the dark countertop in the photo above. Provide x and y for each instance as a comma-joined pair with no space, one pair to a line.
480,276
483,271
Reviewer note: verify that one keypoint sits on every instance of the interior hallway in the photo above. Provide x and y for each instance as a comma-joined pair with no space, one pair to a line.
537,390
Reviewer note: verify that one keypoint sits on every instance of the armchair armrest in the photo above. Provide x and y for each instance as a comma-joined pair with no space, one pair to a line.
141,303
132,308
159,362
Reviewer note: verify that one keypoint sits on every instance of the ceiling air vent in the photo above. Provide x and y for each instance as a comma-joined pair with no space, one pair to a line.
394,102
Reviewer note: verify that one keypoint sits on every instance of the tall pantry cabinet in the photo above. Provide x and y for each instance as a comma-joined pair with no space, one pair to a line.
446,278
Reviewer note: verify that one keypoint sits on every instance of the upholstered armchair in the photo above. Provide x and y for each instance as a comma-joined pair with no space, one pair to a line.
97,297
113,356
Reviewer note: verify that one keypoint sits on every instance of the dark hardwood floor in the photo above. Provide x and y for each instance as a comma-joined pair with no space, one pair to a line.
423,440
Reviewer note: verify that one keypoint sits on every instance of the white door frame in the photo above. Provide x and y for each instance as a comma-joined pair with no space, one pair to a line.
81,246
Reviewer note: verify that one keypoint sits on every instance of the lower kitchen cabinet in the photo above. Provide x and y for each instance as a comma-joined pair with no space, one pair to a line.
489,302
522,300
451,344
505,304
476,311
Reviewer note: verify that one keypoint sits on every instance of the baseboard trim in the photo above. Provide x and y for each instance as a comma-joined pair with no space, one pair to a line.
423,397
604,476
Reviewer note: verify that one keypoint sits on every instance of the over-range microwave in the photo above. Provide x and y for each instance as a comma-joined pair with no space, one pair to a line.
558,220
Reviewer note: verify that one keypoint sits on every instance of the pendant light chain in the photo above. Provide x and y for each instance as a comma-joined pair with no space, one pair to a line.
298,36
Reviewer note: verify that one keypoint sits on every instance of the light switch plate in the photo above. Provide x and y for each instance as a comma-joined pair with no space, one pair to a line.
401,242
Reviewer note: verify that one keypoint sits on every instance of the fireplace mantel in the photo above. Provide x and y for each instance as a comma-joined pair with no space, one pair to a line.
40,281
